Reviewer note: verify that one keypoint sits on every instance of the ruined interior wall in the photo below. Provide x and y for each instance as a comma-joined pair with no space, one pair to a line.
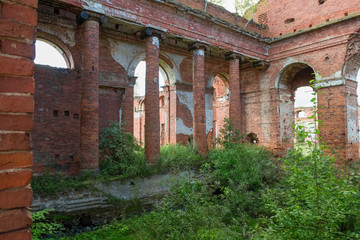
286,17
17,35
221,13
114,84
56,133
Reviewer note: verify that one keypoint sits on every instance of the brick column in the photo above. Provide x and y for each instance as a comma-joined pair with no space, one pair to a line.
199,118
152,109
89,129
235,97
128,114
17,36
338,114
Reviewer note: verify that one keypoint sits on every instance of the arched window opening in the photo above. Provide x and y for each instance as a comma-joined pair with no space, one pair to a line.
220,104
49,54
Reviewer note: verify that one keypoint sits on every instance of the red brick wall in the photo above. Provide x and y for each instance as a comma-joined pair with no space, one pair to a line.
285,17
56,133
17,33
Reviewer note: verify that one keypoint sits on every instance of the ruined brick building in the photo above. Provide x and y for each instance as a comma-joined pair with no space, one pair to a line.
215,64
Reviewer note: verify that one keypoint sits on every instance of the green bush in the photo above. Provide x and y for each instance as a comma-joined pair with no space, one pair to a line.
49,184
178,158
246,165
42,227
121,154
314,200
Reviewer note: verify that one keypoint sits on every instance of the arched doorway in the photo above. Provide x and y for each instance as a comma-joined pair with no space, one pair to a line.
291,79
221,97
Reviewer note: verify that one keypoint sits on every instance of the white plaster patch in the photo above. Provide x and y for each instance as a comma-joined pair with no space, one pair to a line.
331,83
186,98
125,53
65,34
155,41
93,6
209,112
336,75
137,115
181,128
352,125
121,14
177,60
199,52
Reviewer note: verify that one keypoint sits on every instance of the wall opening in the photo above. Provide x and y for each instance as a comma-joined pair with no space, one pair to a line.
139,106
295,94
47,53
221,96
304,109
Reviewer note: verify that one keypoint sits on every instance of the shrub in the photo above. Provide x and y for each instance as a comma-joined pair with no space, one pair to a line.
316,200
42,227
121,153
178,158
246,165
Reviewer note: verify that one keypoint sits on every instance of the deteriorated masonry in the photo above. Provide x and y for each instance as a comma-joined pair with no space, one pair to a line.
215,65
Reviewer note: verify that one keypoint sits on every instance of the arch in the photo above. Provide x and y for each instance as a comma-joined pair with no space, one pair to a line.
351,68
292,77
167,69
59,46
289,72
220,105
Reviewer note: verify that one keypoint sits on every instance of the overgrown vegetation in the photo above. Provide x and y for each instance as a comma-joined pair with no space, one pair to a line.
122,157
245,194
42,226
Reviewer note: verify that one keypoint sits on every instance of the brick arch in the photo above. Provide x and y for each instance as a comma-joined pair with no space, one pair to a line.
291,72
291,77
222,71
59,45
352,67
164,62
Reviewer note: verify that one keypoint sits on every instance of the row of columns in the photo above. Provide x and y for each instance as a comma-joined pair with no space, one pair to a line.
90,94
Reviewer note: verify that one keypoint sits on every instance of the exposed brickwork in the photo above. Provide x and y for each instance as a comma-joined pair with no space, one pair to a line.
89,138
152,117
17,32
235,98
101,58
305,14
199,123
56,134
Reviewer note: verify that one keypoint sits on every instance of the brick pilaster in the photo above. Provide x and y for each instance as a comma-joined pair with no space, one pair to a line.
152,110
89,139
128,114
199,118
17,36
235,97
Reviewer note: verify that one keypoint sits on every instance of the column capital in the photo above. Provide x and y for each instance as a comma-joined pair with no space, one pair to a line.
198,45
260,64
132,80
88,15
232,55
152,32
